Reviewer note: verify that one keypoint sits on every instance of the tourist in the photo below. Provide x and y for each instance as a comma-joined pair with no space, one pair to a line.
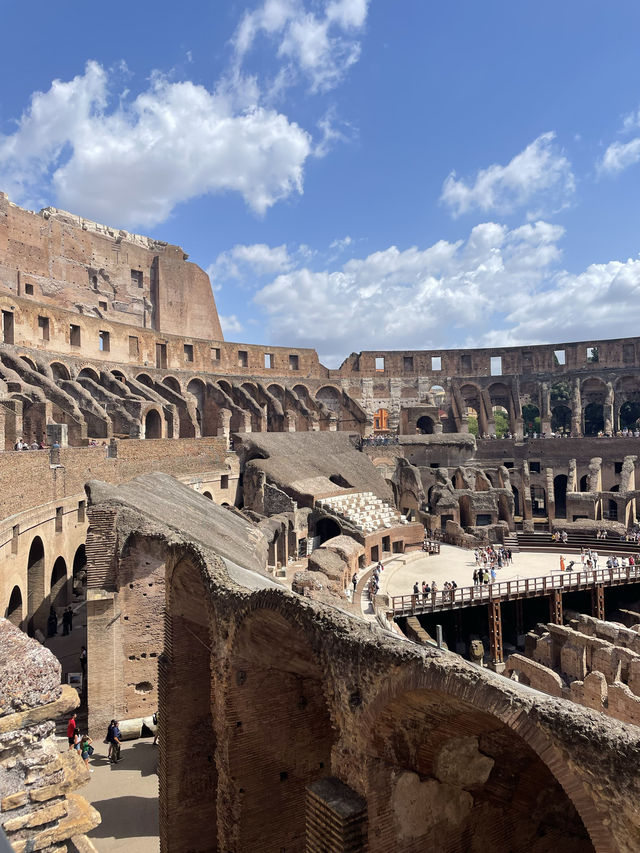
475,577
52,622
69,613
83,663
416,588
155,723
561,563
113,739
72,728
354,581
86,750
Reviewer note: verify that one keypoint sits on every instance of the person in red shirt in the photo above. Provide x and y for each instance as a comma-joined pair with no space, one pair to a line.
72,728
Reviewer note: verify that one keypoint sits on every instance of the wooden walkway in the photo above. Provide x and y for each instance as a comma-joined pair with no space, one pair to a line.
469,596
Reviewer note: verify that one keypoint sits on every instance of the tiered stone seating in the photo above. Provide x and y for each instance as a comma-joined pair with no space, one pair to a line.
364,510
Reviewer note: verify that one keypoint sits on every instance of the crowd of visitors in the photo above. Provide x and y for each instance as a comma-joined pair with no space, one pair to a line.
21,444
495,556
378,440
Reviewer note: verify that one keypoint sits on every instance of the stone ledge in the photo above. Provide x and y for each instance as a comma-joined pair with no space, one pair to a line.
67,701
81,818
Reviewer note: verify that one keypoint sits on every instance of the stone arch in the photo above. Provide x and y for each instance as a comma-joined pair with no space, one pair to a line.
185,694
265,760
207,495
561,418
277,391
584,483
425,425
173,383
58,583
327,528
331,397
89,373
29,361
153,424
36,601
453,750
531,418
629,414
196,387
145,379
14,608
60,371
119,375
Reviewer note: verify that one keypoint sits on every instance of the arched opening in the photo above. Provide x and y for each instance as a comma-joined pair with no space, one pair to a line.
561,419
516,500
538,502
593,418
584,483
171,382
119,375
443,753
36,604
327,528
267,771
14,609
381,421
29,362
466,519
560,495
425,425
472,420
186,724
501,420
145,379
196,387
207,495
531,419
79,569
89,373
439,394
339,480
629,415
58,591
153,425
60,371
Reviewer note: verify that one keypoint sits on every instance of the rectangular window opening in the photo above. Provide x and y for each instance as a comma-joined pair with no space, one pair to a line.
465,364
103,341
161,355
224,481
137,278
496,365
534,467
559,357
215,353
58,519
15,538
408,364
593,355
7,327
380,363
74,335
617,467
102,305
436,362
269,361
134,350
188,352
243,358
294,362
28,289
43,325
81,508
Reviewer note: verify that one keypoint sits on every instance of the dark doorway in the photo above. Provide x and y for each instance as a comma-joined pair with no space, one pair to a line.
327,528
593,419
560,495
629,415
561,419
7,327
153,425
425,425
584,483
58,588
14,608
36,604
516,500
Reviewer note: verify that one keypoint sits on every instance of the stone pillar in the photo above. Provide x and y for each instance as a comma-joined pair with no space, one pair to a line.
289,421
576,409
545,408
58,433
368,426
336,818
224,427
314,422
555,607
608,409
247,422
333,422
495,636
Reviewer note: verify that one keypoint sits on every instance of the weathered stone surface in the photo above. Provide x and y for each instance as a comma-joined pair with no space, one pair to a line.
461,763
30,675
420,805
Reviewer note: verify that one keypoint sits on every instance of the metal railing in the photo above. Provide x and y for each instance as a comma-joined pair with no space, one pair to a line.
468,596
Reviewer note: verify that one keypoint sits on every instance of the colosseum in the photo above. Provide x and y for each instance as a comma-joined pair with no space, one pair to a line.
214,513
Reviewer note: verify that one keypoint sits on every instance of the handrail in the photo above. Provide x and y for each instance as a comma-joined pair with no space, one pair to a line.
406,605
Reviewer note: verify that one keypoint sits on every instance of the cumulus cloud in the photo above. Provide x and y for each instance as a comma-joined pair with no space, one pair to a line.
619,156
321,46
242,261
450,292
133,163
230,325
540,176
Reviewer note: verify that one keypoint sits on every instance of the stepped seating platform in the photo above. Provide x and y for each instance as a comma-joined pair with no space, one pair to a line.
577,540
364,510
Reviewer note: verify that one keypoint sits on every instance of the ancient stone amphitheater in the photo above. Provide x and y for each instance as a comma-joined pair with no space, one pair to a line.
211,501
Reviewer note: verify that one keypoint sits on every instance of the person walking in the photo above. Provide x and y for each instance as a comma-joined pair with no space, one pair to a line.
113,738
72,728
86,750
561,563
83,663
354,581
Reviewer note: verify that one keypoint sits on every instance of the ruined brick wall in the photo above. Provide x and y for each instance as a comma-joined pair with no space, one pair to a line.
38,809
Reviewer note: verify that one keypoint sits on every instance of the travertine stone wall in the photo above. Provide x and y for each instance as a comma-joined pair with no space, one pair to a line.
38,809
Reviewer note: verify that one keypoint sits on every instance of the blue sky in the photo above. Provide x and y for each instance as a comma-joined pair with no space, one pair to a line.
354,174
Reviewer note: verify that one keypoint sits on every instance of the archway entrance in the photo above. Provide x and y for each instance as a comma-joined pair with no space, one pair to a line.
629,415
327,528
425,425
58,594
593,419
538,502
36,604
561,419
560,495
14,609
531,418
153,425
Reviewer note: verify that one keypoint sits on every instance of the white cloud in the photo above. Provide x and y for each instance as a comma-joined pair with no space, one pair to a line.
257,259
321,46
230,325
132,164
341,244
619,156
540,174
416,298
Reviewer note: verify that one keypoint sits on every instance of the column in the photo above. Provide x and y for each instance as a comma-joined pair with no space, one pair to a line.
224,428
555,607
495,636
289,421
576,409
608,410
597,601
545,408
